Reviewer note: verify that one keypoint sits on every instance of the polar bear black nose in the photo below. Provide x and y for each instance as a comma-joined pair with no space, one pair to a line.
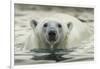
52,33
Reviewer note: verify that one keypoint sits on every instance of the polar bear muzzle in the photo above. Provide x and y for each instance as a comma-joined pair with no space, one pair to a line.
52,34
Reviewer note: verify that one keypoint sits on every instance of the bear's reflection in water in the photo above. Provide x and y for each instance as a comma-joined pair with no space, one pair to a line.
54,54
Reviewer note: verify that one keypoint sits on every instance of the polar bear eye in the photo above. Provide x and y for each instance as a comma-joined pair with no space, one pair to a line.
59,25
45,25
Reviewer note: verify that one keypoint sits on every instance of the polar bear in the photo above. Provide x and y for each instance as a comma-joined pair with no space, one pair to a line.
57,31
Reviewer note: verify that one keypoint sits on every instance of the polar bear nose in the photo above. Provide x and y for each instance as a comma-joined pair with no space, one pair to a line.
52,33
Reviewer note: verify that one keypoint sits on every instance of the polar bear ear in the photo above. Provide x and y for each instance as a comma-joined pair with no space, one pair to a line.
33,23
70,25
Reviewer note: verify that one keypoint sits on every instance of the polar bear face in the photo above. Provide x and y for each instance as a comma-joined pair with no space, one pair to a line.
51,32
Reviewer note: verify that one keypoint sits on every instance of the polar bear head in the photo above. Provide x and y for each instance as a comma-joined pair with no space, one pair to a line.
51,30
